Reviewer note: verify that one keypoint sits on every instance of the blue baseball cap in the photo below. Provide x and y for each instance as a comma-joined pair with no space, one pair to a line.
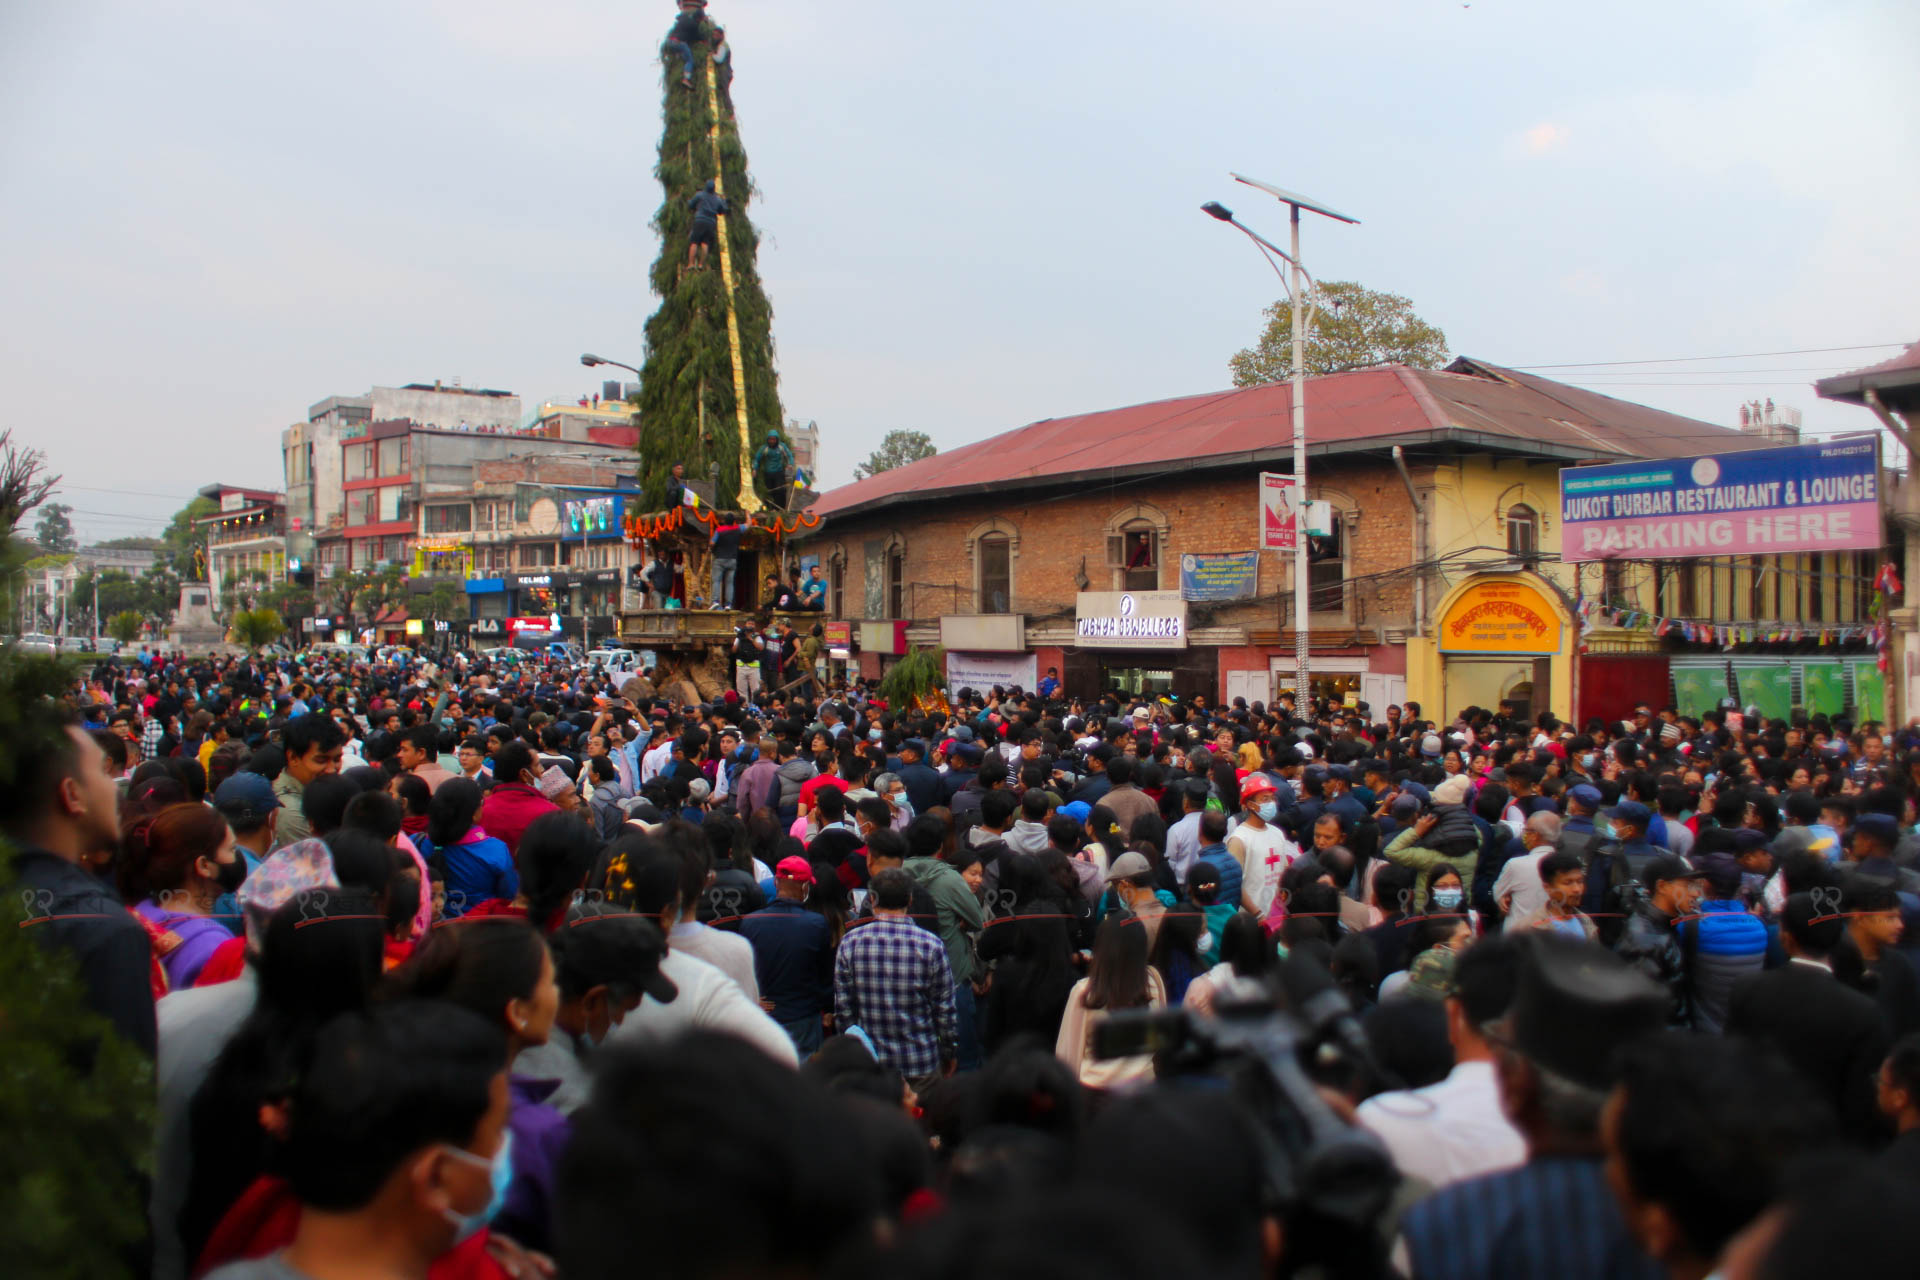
1631,811
1586,797
245,798
1883,829
1079,810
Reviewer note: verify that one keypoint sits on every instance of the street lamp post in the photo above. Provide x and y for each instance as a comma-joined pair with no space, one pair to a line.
1295,293
592,360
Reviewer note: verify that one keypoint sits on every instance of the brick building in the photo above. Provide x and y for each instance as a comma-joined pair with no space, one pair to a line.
1027,550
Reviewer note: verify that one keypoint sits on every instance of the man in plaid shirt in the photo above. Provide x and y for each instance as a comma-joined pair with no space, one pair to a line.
150,735
892,980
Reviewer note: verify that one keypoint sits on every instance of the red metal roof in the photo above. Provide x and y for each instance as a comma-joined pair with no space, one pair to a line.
1900,373
1470,404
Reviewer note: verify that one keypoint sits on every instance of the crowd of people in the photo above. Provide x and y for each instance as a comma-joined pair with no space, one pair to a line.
454,968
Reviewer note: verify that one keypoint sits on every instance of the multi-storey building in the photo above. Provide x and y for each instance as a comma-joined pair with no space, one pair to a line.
1126,548
368,491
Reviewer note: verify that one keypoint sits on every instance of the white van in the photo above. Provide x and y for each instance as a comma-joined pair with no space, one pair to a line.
624,661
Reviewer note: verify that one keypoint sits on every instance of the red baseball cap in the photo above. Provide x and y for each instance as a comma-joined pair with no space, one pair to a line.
795,868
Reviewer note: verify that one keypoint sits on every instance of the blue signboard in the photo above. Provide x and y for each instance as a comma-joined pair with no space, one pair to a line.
1230,575
1801,498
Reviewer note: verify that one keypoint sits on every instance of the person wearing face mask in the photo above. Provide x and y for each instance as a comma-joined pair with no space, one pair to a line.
894,792
1447,896
174,866
398,1148
1260,846
604,961
501,968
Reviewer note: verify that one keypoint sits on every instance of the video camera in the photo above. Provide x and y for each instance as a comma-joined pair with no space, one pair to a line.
1329,1182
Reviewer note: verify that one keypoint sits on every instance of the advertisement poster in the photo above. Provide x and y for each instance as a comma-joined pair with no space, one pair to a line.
1276,511
982,671
1769,688
1801,498
1824,685
1869,690
1698,690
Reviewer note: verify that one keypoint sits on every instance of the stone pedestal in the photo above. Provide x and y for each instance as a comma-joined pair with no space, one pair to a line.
194,626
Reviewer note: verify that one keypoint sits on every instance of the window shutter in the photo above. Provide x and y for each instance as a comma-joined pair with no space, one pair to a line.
1116,550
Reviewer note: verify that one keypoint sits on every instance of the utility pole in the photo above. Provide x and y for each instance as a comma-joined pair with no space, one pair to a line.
1302,596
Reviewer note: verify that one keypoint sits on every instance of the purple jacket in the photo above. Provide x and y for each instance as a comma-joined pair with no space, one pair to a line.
539,1136
756,788
199,937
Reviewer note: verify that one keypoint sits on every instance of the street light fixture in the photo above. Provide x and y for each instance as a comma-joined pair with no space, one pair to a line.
592,360
1295,294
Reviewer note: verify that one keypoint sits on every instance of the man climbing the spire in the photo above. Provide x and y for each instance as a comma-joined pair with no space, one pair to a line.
707,207
773,462
689,29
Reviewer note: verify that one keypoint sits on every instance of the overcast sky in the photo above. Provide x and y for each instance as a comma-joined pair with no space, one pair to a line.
217,212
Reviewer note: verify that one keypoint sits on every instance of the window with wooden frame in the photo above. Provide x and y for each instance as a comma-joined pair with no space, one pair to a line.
1134,555
1523,532
993,555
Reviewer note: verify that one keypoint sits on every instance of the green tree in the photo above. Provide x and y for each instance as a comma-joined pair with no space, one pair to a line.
75,1100
53,531
1355,327
443,602
181,536
687,395
289,599
116,589
130,544
255,627
124,626
159,594
896,450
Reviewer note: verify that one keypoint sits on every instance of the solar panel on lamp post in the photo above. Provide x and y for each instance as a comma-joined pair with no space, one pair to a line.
1302,596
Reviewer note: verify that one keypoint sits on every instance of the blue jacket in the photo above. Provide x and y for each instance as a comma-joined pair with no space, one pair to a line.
792,958
477,871
1217,857
1722,943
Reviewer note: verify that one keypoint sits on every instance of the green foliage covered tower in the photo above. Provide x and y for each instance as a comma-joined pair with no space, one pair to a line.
710,343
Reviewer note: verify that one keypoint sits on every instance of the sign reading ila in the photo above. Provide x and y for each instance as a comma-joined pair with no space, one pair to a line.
1801,498
1130,620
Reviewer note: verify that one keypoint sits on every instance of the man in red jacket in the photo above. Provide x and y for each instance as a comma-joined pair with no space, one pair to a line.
513,802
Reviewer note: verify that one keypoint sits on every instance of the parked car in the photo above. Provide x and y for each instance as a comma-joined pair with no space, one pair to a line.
328,649
37,642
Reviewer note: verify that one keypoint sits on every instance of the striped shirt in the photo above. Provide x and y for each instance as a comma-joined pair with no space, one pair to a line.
892,980
1553,1216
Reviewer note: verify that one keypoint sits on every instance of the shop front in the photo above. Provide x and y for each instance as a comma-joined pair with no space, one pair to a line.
986,651
1137,642
1502,642
1341,679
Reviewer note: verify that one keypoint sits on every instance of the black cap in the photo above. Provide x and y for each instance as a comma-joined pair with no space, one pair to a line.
1668,867
1576,1004
599,944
